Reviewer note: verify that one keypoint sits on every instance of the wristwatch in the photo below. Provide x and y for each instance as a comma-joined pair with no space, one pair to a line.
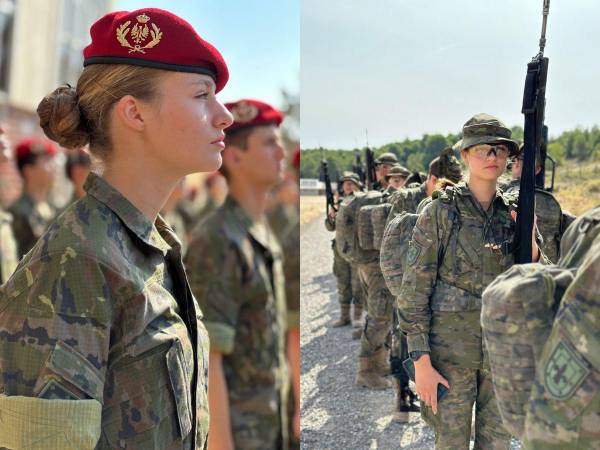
417,354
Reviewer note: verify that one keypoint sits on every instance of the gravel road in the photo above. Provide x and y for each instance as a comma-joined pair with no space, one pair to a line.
335,413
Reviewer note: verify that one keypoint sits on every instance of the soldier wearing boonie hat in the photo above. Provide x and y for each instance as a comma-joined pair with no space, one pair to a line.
236,273
397,176
471,227
382,165
116,354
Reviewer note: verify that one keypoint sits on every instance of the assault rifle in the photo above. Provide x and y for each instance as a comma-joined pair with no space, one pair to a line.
357,168
371,179
534,103
329,198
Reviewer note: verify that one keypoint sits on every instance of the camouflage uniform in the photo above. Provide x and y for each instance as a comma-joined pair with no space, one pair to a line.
550,219
350,288
441,304
30,220
100,311
236,272
8,247
561,410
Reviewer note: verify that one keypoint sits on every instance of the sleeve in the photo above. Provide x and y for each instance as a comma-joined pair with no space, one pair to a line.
55,334
418,282
215,277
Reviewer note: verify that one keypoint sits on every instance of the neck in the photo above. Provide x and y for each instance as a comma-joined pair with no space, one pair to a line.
38,194
252,198
483,190
147,188
79,191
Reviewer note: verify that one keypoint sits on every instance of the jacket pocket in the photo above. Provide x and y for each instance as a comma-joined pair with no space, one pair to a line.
147,401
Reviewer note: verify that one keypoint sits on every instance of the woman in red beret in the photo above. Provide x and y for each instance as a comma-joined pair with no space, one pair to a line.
101,344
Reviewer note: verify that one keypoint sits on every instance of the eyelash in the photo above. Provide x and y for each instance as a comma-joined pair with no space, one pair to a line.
203,95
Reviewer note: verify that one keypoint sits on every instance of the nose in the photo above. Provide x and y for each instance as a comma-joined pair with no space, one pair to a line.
279,151
222,117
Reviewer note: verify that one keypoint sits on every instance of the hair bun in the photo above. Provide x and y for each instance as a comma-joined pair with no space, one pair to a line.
62,120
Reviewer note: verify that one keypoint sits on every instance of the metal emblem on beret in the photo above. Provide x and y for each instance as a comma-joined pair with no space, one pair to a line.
244,112
564,372
139,33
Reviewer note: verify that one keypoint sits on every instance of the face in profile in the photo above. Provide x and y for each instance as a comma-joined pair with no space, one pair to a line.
349,187
262,161
185,124
396,181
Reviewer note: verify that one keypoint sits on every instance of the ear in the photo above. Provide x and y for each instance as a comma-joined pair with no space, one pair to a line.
131,112
464,156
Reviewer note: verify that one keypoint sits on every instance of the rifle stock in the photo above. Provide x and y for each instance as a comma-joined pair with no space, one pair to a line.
329,198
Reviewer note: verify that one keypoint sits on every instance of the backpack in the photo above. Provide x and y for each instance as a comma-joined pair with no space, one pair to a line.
379,216
518,310
346,228
394,248
365,227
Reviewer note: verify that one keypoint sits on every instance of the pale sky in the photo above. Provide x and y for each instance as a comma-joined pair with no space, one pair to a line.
259,39
402,68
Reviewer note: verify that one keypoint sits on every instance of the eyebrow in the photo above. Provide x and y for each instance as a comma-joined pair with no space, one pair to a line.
206,83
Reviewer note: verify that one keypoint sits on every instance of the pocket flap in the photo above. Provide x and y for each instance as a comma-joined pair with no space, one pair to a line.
179,382
74,368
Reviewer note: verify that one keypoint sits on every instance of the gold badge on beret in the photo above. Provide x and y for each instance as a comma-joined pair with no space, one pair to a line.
244,112
139,34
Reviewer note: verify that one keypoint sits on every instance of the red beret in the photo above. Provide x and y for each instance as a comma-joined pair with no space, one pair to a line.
296,158
29,147
252,113
156,38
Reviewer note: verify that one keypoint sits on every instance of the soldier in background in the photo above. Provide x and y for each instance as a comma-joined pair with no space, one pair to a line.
396,176
77,169
284,218
551,220
236,273
349,286
32,212
8,245
383,164
171,214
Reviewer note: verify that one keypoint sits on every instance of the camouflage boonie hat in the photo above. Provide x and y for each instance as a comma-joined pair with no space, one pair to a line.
387,158
397,171
485,129
350,176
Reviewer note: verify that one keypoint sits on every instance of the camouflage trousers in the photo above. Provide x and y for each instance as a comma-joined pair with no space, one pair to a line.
350,288
380,303
452,423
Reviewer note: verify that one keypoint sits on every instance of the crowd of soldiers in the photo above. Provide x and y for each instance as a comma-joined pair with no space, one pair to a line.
418,257
117,312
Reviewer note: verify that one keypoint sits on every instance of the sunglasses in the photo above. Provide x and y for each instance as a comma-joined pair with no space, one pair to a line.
485,150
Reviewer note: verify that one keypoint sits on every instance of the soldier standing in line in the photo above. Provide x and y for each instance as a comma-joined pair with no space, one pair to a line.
562,410
552,221
77,169
457,248
350,288
236,273
101,340
396,177
383,164
8,244
284,219
32,213
411,200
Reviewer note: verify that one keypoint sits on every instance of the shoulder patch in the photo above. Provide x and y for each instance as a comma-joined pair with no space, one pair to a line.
564,372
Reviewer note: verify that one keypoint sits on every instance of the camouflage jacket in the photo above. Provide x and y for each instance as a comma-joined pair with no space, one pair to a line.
30,220
285,222
101,309
456,250
236,272
406,199
8,247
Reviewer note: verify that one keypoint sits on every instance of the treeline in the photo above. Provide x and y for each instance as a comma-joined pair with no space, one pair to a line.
579,144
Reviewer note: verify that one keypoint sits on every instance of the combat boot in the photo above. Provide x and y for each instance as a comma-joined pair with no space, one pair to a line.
344,319
402,408
357,321
381,362
367,376
357,333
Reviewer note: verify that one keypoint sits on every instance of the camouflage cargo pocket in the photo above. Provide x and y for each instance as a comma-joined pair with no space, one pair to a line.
148,403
